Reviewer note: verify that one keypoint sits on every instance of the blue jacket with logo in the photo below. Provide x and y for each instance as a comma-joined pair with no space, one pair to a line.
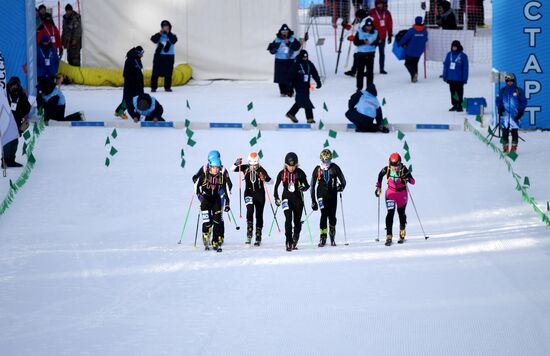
460,71
415,39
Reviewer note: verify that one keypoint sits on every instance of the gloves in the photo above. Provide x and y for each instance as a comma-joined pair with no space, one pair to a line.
346,25
314,206
519,115
167,47
389,39
226,207
501,110
339,188
377,192
278,202
302,187
238,161
319,85
200,197
351,38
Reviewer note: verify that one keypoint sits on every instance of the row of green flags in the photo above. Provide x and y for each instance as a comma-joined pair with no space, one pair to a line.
331,134
189,134
258,134
111,151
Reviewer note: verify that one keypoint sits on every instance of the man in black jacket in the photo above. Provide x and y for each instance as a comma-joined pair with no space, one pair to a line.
163,61
20,108
447,19
133,80
300,74
364,110
284,47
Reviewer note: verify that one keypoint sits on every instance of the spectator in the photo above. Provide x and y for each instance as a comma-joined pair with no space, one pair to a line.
447,19
48,28
284,47
72,35
364,109
163,60
300,75
20,108
384,25
415,41
366,40
40,15
511,105
133,80
359,16
52,101
47,61
144,105
455,73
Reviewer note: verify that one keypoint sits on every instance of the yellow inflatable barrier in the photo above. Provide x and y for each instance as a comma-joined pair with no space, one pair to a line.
113,77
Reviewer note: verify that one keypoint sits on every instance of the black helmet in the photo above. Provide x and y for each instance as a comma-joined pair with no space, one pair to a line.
291,159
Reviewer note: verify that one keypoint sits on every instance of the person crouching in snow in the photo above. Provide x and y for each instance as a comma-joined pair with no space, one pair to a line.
329,180
52,101
300,75
455,73
145,106
294,184
255,177
511,105
396,194
365,109
284,47
211,190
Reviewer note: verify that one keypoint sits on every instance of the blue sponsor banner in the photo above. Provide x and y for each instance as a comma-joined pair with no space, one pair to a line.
521,46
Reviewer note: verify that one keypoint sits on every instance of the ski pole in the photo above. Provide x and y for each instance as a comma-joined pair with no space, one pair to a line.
271,205
343,220
240,194
378,236
307,218
273,221
186,217
197,229
414,206
235,221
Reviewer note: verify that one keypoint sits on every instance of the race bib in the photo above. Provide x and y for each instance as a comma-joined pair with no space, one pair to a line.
53,39
306,77
47,62
285,204
452,66
291,187
205,215
285,50
248,200
390,204
13,106
321,203
382,23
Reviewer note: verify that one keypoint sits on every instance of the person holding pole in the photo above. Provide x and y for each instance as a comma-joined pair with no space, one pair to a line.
255,177
329,179
396,194
511,104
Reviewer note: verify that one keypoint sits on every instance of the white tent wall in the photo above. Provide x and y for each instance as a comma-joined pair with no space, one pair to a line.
220,39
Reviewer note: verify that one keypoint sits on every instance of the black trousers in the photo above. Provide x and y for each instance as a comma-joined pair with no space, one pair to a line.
365,68
506,136
458,88
412,65
402,219
9,150
255,202
212,217
328,211
294,110
286,88
167,80
293,206
382,54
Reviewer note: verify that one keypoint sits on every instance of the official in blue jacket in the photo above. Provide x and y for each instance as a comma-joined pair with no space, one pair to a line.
163,60
284,47
145,107
52,101
455,73
415,41
366,39
365,111
511,105
47,60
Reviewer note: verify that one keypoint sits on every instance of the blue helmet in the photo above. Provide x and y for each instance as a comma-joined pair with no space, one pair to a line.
215,162
212,156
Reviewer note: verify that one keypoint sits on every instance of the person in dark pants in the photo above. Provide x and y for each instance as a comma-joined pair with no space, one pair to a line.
20,108
396,194
294,182
52,101
163,60
300,75
255,177
211,189
47,60
511,104
455,73
366,39
415,41
133,80
359,16
284,47
364,110
330,181
72,35
384,25
447,19
146,106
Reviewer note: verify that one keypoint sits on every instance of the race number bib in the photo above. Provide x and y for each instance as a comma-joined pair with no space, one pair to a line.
285,205
47,62
53,39
452,66
205,215
321,203
390,204
382,23
306,77
13,106
248,200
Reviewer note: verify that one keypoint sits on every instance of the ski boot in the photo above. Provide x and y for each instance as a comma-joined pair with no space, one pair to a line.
514,147
323,238
288,244
295,243
388,240
249,230
311,121
292,117
505,148
217,244
205,238
332,234
401,236
258,236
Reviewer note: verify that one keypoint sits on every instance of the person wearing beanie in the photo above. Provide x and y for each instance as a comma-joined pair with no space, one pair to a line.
359,16
48,28
415,42
284,47
145,107
133,80
300,74
72,35
447,18
365,111
366,40
384,25
455,73
511,104
47,61
163,60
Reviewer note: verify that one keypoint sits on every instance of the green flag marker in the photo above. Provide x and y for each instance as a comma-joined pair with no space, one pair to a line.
526,182
107,162
385,121
326,144
107,141
31,160
332,133
260,154
464,102
182,163
455,96
187,104
406,146
334,154
27,135
187,123
254,123
114,134
383,101
407,156
189,132
411,168
513,156
400,135
259,135
321,124
250,106
325,106
35,129
113,151
478,118
24,148
253,141
182,153
190,142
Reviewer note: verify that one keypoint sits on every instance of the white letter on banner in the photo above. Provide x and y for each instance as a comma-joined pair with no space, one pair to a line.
533,110
532,31
532,87
532,64
527,11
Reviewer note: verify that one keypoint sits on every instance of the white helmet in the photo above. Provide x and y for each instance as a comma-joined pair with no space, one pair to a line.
253,159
